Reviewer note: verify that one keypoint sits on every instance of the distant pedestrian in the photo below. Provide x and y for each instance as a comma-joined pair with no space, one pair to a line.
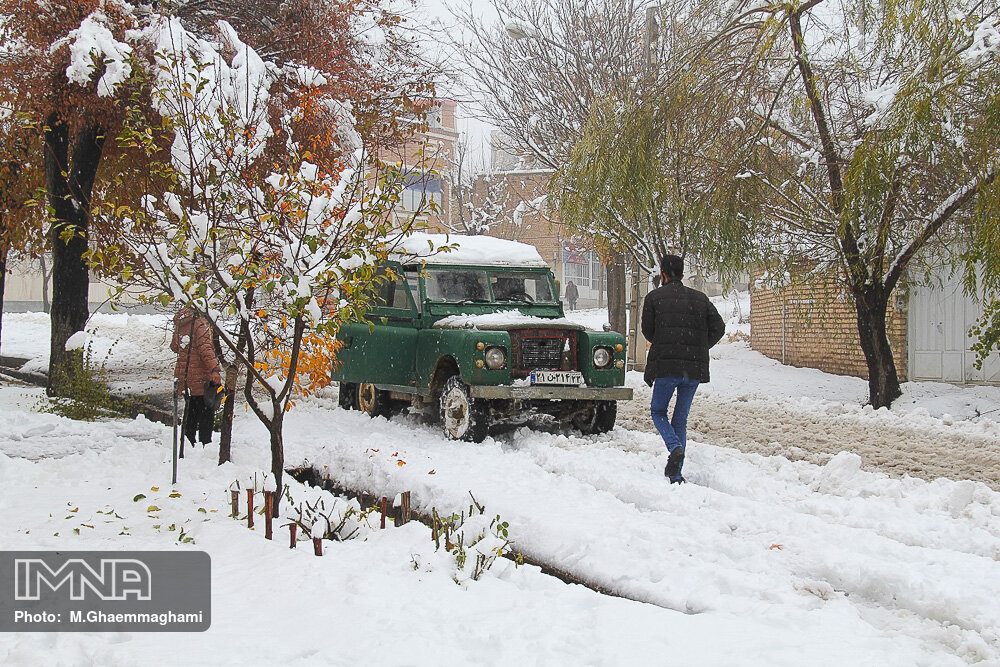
196,365
682,325
572,294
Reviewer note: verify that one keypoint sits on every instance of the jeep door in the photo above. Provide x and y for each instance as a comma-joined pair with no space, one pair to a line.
383,354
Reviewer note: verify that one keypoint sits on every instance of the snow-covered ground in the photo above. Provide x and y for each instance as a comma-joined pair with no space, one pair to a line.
759,560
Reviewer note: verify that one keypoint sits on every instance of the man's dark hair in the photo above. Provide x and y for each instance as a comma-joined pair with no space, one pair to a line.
672,266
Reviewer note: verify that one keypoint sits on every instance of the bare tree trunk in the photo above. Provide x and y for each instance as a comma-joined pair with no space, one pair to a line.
635,354
616,294
602,287
277,454
230,375
883,378
46,304
69,187
228,412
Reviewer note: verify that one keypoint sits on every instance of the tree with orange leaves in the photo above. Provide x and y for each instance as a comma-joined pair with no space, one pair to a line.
266,226
77,69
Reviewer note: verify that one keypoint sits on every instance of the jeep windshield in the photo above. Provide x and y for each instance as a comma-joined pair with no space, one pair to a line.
457,285
482,286
521,286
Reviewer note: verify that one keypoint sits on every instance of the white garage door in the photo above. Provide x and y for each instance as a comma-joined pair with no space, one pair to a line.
939,320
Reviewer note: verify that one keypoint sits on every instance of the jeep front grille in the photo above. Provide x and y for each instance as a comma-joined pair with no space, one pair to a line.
543,349
542,353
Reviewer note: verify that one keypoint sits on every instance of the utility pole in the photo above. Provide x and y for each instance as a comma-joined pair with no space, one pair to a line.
640,279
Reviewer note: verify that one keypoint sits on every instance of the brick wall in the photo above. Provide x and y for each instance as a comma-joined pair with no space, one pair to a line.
820,328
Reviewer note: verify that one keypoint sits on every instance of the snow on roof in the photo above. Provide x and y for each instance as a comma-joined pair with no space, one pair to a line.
472,250
505,319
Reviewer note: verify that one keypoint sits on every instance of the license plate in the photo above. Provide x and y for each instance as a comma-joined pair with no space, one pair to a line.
557,377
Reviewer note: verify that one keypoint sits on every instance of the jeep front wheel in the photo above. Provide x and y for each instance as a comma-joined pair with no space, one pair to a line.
464,417
372,400
598,418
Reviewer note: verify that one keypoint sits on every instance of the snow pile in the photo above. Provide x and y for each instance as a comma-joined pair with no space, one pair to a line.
835,546
323,515
132,351
734,307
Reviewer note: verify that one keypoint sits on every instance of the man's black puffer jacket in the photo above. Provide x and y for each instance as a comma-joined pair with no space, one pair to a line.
682,324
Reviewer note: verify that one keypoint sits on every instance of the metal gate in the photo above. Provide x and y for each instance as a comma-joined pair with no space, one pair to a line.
940,315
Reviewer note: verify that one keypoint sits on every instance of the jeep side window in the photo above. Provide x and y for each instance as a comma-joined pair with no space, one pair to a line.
390,293
393,295
412,276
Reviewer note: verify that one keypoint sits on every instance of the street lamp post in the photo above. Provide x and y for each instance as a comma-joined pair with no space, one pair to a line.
517,30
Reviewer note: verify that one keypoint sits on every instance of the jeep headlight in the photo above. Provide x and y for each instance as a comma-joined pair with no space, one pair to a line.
496,358
602,357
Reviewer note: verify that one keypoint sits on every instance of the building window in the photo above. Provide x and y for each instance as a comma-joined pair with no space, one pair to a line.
578,273
576,264
420,191
582,266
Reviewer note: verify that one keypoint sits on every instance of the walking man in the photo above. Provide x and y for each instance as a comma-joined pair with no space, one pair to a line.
572,294
681,325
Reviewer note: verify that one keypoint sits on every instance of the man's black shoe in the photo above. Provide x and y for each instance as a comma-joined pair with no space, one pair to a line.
679,480
674,463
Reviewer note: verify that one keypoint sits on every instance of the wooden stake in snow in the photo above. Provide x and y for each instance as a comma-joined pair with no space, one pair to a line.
291,533
235,503
317,533
250,509
270,487
268,499
385,502
402,510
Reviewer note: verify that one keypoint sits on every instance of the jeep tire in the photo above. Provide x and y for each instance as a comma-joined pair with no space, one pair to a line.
463,417
600,418
373,400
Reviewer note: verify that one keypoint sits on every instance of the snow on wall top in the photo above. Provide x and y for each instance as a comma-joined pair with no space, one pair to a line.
474,250
505,319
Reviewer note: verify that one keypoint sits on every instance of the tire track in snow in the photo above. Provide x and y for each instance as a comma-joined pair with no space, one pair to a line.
884,442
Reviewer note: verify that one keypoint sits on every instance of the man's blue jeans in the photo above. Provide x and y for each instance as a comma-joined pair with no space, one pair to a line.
672,429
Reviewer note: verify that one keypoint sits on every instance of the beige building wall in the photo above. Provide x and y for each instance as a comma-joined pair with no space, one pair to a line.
25,291
430,153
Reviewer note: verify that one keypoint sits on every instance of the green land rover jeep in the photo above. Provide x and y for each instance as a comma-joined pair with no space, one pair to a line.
478,335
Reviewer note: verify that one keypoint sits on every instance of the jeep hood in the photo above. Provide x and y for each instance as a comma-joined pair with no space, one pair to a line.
507,319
